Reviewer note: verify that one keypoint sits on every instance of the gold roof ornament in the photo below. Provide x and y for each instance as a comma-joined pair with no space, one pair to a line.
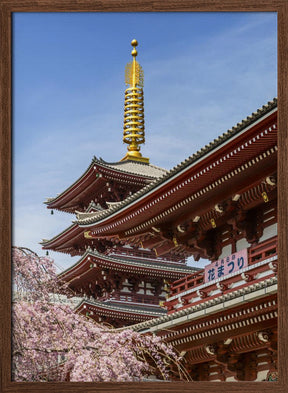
133,133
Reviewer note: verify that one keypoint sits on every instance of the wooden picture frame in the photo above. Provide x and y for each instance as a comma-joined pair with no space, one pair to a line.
7,8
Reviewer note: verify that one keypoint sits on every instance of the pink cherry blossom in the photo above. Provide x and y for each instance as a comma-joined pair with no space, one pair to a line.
53,343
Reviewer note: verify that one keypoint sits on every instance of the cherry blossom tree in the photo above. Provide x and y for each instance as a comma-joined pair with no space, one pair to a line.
53,343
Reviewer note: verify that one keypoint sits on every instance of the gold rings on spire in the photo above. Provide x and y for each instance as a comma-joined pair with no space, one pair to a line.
133,133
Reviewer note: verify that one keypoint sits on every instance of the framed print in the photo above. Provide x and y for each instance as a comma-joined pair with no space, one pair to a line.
170,251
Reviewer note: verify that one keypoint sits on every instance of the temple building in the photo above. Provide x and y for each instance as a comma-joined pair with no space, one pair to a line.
120,283
136,225
219,204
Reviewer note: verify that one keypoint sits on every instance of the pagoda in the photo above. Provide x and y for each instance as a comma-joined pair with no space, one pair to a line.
219,204
120,283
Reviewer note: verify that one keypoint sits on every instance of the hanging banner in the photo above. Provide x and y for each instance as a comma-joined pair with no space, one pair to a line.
227,265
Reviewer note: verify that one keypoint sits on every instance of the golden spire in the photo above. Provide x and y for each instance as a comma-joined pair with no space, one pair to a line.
133,133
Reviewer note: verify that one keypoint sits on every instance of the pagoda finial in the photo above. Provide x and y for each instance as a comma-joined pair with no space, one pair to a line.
133,133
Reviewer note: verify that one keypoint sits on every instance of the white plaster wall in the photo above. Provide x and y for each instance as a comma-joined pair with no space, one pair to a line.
261,375
269,232
227,250
230,379
241,244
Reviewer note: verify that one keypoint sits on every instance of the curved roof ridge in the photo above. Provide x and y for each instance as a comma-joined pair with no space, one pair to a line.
52,199
140,163
128,308
148,264
151,263
115,166
200,306
86,214
45,241
118,165
250,119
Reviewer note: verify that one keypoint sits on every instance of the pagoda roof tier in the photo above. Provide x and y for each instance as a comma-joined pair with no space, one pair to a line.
72,241
185,241
208,308
119,314
241,159
225,319
140,253
193,296
90,267
228,330
69,241
106,182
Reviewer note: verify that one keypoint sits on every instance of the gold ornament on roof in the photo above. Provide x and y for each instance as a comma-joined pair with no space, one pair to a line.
133,133
134,75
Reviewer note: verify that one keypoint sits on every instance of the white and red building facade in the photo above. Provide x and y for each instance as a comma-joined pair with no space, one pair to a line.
220,204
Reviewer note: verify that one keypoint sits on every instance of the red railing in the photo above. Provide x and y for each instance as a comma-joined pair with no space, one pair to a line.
256,254
262,251
135,299
188,282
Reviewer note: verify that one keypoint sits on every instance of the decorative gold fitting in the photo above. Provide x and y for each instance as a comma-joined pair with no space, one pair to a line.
88,235
213,223
265,197
132,157
133,132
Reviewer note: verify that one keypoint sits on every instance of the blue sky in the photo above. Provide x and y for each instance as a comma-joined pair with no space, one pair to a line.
203,73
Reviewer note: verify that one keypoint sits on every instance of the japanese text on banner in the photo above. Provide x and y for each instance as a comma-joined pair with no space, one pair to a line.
227,265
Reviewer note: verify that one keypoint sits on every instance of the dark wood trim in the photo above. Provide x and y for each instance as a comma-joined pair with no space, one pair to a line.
283,191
